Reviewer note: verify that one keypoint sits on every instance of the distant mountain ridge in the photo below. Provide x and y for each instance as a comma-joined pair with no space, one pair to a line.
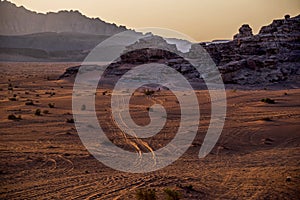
20,21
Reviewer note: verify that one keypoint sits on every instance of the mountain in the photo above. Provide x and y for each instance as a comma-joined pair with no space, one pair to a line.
20,21
63,36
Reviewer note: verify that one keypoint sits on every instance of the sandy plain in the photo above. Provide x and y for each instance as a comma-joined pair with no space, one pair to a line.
42,157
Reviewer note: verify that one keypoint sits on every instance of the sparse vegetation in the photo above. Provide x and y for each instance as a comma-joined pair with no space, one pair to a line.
288,179
14,117
12,98
29,103
71,121
51,105
190,187
10,87
149,109
268,100
37,112
46,111
172,194
149,92
146,194
50,93
83,107
267,119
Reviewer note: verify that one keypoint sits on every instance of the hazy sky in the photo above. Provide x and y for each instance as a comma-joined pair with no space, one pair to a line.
203,20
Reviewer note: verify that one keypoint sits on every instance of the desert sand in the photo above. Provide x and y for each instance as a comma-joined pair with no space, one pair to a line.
42,157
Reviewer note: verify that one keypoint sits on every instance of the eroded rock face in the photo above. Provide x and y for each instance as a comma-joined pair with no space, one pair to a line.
273,55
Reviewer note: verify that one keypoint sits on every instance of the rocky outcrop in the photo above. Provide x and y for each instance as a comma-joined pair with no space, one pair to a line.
244,31
273,55
20,21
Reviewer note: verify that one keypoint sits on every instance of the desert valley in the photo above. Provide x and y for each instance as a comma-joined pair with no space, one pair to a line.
42,156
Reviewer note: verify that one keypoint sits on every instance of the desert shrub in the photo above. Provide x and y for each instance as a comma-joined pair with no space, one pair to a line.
50,93
148,92
268,100
83,107
268,119
144,194
46,111
288,179
10,87
12,98
14,117
71,121
190,187
172,194
37,112
29,103
51,105
149,109
104,93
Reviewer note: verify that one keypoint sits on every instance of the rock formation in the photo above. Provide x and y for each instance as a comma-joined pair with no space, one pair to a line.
244,31
273,55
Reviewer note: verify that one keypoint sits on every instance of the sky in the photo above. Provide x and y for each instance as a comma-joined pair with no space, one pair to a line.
202,20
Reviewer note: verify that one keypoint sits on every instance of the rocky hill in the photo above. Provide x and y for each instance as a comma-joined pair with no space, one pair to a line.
20,21
270,56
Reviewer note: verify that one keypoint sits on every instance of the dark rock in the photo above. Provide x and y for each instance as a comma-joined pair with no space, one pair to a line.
244,31
70,72
273,55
